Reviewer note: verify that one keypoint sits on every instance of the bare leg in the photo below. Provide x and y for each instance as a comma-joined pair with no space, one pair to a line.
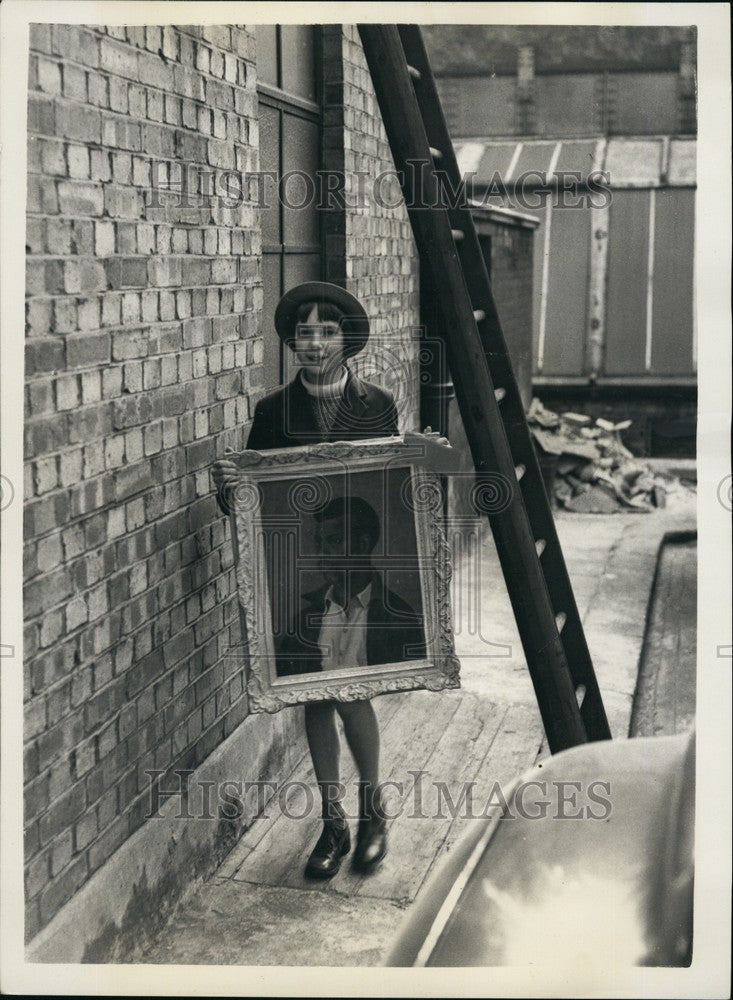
362,735
325,751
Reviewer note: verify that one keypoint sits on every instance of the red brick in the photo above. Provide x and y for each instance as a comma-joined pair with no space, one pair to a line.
62,812
78,123
37,874
58,703
158,141
121,134
119,59
107,844
61,851
85,757
123,203
127,272
60,890
101,778
36,797
61,739
76,43
104,705
87,350
84,276
85,831
41,115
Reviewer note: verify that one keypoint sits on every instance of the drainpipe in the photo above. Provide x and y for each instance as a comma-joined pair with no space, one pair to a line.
436,385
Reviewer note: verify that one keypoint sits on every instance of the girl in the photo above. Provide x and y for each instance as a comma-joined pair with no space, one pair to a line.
324,325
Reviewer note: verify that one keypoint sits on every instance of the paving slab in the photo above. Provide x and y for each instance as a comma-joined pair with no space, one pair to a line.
665,701
260,910
232,922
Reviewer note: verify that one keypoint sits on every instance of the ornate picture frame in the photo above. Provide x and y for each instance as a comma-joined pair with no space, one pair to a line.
279,496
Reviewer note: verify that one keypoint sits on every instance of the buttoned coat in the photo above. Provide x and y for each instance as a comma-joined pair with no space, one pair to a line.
285,418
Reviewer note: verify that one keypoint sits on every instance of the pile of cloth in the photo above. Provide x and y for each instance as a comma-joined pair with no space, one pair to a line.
596,473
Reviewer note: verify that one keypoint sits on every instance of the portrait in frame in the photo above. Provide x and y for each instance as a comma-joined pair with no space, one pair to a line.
343,573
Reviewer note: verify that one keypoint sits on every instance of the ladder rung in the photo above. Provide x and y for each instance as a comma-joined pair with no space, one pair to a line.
540,546
414,124
580,694
457,234
520,470
435,153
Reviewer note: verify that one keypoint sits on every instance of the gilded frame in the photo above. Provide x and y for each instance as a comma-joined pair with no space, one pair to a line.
299,466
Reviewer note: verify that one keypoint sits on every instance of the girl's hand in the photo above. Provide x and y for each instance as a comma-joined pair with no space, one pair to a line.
437,452
436,437
224,471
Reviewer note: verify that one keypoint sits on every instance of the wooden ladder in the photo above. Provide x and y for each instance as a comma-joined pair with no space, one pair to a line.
488,397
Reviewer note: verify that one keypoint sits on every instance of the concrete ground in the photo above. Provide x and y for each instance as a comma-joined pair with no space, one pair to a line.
259,910
665,697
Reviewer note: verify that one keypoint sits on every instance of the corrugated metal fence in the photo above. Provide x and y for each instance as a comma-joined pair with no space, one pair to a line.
613,271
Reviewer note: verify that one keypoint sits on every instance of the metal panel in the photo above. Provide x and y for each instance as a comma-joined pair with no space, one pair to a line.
298,267
300,153
577,156
272,289
301,267
298,60
645,103
537,266
632,162
496,160
469,155
627,284
266,36
534,156
566,307
673,282
270,160
682,161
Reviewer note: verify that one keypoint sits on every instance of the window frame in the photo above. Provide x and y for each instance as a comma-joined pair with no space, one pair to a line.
284,102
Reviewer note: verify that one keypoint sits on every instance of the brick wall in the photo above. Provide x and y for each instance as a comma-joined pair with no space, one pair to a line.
143,360
370,247
142,338
510,249
512,256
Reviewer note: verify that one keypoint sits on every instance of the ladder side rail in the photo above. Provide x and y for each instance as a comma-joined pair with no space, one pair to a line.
512,410
526,584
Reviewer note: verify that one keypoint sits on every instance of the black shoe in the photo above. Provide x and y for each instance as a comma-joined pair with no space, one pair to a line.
332,845
371,843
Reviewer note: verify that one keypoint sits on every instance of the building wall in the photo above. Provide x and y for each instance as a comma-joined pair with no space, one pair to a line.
143,360
508,247
565,80
370,248
512,256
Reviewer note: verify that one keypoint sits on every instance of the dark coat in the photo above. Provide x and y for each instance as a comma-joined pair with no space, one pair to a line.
284,418
394,632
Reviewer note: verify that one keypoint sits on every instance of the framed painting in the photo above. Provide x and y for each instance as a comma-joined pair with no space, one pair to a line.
343,573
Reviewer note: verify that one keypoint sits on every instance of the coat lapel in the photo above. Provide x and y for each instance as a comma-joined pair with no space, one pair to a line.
350,409
298,419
